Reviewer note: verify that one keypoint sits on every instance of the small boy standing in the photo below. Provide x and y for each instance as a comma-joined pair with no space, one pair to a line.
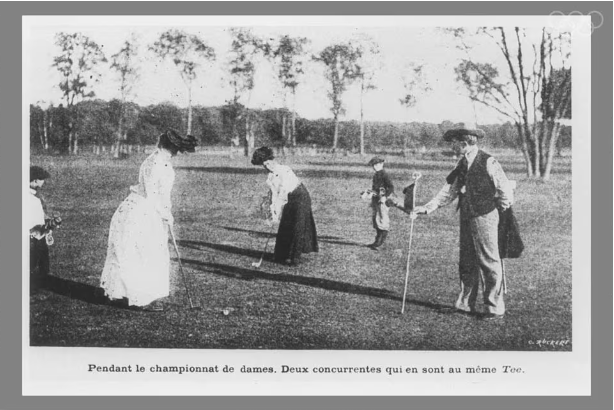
381,190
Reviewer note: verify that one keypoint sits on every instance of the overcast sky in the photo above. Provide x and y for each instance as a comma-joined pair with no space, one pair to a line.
400,44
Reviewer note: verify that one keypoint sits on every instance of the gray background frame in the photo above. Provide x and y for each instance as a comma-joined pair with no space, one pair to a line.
10,202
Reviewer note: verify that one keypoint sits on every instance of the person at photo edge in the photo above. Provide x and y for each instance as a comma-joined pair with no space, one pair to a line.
291,207
39,251
137,266
483,190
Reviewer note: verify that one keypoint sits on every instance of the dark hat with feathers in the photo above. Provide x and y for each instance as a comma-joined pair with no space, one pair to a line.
183,144
459,133
261,155
38,173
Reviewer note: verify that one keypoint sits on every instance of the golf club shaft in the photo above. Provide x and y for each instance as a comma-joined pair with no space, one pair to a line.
266,245
185,283
411,234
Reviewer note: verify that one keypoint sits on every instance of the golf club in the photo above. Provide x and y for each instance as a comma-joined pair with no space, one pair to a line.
416,176
185,283
257,264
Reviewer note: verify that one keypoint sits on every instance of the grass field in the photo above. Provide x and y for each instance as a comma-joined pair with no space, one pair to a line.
344,297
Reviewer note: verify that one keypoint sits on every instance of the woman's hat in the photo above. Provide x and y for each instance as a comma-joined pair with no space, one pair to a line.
261,155
38,173
183,144
376,160
465,128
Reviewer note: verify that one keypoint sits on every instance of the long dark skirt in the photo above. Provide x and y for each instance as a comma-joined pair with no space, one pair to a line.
297,228
39,262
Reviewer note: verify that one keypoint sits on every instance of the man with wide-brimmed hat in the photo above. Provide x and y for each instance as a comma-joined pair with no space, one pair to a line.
483,190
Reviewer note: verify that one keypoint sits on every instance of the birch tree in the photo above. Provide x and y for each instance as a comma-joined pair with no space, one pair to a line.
77,63
368,64
245,48
125,64
289,56
187,52
340,61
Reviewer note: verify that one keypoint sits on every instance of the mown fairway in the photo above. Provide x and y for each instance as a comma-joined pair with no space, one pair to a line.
345,297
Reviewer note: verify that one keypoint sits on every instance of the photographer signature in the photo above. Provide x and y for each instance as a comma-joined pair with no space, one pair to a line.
549,342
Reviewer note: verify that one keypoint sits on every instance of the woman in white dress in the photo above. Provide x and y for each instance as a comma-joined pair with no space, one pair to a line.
291,207
137,266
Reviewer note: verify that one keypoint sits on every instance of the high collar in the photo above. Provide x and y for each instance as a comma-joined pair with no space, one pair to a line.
471,154
164,154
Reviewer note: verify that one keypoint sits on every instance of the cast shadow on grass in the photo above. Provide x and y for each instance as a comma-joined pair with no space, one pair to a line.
219,247
321,238
326,284
80,291
76,290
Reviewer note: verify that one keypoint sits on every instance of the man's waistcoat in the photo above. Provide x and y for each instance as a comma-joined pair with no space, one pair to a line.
480,190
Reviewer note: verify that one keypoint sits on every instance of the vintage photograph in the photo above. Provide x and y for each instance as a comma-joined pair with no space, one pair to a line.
355,186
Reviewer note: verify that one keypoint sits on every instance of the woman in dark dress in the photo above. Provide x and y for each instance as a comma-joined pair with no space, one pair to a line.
291,207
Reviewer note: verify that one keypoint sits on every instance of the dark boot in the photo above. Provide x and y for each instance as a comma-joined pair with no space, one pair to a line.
382,238
375,244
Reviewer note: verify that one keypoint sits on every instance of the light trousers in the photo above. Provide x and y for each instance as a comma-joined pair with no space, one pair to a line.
480,262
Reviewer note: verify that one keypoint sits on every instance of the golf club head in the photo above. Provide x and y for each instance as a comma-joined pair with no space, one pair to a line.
256,264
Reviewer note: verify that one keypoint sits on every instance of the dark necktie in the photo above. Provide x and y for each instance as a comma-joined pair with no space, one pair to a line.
462,172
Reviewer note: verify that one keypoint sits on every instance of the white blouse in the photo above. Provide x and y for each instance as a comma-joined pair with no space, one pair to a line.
281,181
156,178
37,214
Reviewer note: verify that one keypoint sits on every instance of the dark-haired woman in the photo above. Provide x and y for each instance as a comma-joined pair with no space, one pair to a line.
137,266
291,207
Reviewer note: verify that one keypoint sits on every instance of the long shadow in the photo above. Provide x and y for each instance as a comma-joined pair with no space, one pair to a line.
219,247
327,284
79,291
321,238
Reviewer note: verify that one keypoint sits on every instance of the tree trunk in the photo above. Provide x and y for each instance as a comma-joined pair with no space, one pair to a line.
554,136
336,133
45,132
120,127
76,142
41,134
524,146
70,137
284,132
293,129
189,110
362,124
248,135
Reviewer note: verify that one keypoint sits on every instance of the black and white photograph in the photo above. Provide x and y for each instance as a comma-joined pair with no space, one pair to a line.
369,204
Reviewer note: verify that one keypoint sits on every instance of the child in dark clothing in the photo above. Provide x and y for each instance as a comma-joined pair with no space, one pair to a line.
381,191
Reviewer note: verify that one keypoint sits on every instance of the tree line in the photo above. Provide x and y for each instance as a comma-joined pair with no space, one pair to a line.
215,127
534,93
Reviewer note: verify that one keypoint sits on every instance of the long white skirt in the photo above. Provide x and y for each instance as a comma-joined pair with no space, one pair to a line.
137,265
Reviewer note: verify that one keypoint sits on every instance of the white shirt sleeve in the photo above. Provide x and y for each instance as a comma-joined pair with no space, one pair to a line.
445,196
37,215
504,192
